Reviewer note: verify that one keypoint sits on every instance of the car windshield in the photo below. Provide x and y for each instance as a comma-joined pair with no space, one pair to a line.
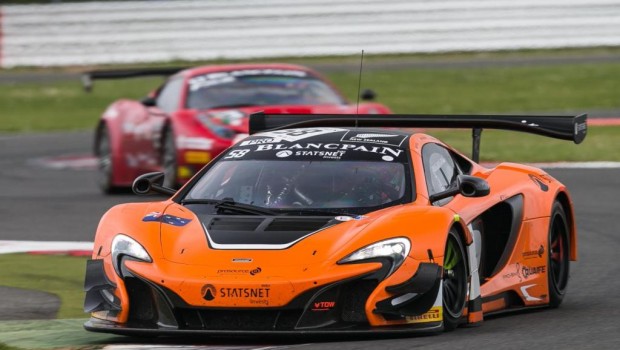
227,90
357,186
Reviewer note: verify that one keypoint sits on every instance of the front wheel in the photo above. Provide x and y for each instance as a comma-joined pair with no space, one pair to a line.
454,281
558,257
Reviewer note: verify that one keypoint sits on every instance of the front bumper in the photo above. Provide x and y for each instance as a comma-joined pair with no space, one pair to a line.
339,307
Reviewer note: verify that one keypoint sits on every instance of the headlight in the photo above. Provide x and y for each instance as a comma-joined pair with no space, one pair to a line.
396,249
124,245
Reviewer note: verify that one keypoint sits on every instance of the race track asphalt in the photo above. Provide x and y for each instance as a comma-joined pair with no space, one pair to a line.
38,203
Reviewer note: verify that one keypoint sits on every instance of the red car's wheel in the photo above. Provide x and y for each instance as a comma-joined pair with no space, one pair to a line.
558,257
105,165
169,159
454,289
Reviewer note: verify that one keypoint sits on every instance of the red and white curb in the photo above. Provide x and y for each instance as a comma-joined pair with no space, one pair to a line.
38,247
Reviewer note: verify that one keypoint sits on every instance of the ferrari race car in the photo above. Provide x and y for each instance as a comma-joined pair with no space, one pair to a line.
329,223
199,112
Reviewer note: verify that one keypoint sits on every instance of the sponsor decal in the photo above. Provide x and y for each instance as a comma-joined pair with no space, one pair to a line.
197,157
524,272
323,305
216,78
322,154
378,138
242,260
262,292
251,272
516,273
256,295
166,219
208,292
432,315
284,154
329,147
198,143
291,135
258,142
579,127
534,253
527,271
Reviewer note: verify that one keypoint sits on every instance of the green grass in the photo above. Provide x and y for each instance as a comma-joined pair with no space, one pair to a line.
59,275
63,105
562,88
601,144
492,90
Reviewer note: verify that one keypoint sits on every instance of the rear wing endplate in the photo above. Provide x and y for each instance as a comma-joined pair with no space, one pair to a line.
572,128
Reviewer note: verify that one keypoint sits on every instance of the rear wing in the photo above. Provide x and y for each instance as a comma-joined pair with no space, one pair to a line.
572,128
88,77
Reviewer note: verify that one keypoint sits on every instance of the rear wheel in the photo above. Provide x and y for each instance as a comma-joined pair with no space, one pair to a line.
454,290
169,159
105,165
558,257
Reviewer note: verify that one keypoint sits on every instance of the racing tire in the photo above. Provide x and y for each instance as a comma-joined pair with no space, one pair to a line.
454,281
558,256
169,159
105,164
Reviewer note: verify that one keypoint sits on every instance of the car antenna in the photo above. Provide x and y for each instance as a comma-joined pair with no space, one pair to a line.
359,87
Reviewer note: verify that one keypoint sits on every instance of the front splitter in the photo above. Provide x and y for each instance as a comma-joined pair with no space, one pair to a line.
96,325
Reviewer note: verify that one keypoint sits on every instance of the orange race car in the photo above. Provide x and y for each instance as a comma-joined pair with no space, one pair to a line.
328,223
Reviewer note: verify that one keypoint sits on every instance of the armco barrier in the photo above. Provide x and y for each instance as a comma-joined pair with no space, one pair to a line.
148,31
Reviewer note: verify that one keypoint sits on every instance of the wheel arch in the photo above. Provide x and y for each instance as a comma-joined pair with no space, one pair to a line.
565,201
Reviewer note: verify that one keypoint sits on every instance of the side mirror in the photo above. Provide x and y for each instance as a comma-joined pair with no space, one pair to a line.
467,186
149,101
151,183
471,186
368,95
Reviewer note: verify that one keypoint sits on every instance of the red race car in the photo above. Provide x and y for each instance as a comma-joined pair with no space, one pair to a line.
199,112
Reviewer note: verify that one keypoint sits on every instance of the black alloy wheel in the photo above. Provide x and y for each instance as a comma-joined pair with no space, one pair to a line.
454,290
558,257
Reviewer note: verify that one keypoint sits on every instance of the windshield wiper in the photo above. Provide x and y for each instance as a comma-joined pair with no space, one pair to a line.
229,204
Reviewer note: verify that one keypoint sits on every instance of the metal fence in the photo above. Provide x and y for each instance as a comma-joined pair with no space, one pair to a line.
149,31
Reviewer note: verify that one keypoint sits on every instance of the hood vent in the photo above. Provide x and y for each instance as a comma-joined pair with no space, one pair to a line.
239,232
222,224
304,225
